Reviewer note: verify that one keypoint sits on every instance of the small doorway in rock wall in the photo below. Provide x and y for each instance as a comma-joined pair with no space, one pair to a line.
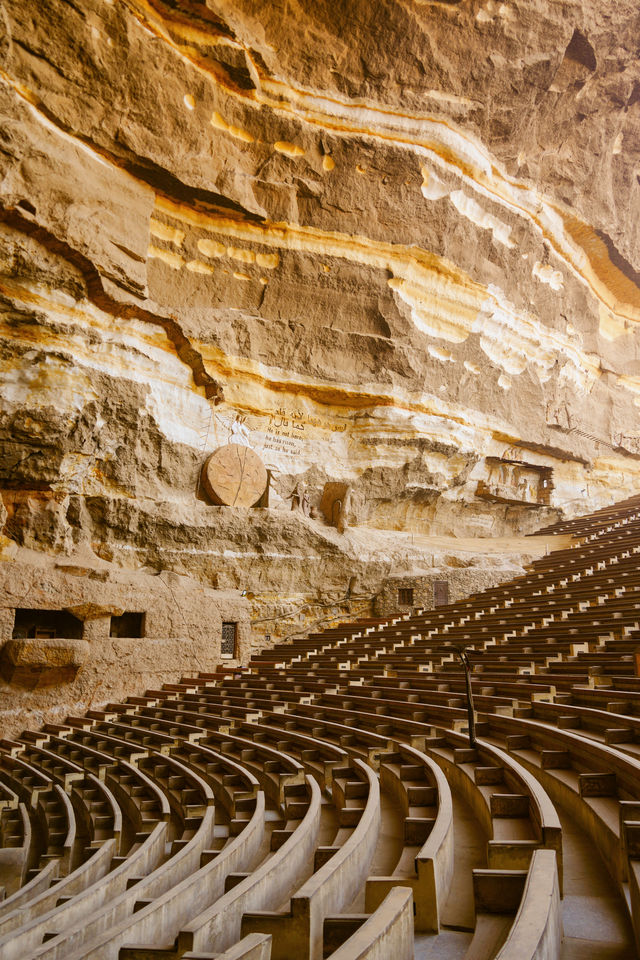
228,645
440,593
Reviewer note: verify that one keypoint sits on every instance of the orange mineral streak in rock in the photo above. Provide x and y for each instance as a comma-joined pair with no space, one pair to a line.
84,316
444,301
608,282
577,244
573,244
402,259
244,376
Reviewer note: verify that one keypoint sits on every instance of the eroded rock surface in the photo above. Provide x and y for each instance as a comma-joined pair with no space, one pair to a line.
398,252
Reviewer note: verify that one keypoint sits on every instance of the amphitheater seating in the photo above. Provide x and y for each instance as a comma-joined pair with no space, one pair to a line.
306,806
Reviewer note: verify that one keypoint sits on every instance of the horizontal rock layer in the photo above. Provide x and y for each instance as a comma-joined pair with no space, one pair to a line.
394,252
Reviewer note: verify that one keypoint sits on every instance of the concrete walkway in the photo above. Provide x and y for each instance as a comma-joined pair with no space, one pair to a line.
596,924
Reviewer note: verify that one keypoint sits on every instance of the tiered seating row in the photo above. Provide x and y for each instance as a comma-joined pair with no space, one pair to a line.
307,807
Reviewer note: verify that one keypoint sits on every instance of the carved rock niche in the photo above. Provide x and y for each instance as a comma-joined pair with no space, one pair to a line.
234,476
335,504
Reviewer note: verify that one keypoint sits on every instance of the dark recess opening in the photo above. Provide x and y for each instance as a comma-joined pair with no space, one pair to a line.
46,624
581,51
127,625
405,596
27,205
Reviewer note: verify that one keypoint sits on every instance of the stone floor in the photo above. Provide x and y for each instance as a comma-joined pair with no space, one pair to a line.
447,945
596,925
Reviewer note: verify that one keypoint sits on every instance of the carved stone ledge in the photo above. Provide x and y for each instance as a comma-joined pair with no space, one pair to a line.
42,662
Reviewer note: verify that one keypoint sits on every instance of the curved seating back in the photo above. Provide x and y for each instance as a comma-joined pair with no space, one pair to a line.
536,932
218,926
334,885
16,844
182,863
15,829
159,919
432,870
388,932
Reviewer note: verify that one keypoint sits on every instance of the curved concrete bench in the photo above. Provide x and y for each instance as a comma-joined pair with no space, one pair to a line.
95,753
616,727
103,815
479,775
543,815
541,809
536,933
318,757
103,934
26,939
58,823
387,933
148,835
356,743
558,749
273,769
41,880
77,939
432,867
329,889
188,794
22,778
360,721
218,926
98,815
15,831
234,787
593,798
94,870
207,701
123,778
96,866
533,896
56,844
146,738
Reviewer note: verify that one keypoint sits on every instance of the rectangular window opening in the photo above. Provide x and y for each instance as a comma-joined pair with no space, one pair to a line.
46,625
405,596
128,625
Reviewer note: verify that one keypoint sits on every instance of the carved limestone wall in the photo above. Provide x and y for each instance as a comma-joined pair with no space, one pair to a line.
48,677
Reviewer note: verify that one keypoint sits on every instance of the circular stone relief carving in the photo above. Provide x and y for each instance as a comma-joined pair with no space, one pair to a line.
234,476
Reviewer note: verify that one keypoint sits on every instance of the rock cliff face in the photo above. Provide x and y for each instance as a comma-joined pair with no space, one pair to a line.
392,245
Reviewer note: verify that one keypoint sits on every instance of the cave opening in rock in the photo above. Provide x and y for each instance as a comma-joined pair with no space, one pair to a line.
46,625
